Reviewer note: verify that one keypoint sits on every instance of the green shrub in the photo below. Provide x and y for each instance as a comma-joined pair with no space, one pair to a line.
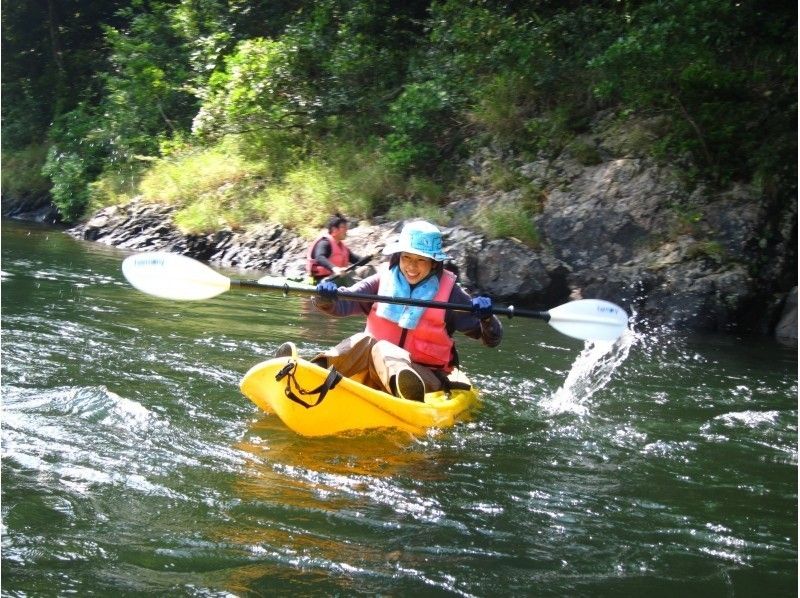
508,220
213,188
585,153
501,176
549,131
114,187
426,190
307,197
183,179
214,212
70,190
277,151
367,179
687,217
725,74
74,159
22,172
417,120
712,250
503,106
257,90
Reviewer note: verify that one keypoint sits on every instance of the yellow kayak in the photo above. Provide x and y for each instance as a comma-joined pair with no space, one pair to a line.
314,401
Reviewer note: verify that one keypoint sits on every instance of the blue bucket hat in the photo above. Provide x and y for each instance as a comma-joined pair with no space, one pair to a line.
420,238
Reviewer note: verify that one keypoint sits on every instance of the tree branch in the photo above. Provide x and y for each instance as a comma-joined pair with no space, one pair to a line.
697,130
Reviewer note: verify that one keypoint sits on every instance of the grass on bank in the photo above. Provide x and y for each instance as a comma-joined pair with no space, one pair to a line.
512,216
218,187
512,219
212,188
221,187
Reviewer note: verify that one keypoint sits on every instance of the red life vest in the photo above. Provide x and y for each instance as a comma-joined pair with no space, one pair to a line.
340,256
428,343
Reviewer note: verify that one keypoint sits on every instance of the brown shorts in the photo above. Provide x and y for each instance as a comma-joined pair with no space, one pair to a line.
377,360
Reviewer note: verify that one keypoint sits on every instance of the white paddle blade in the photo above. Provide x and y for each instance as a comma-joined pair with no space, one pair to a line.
173,276
589,320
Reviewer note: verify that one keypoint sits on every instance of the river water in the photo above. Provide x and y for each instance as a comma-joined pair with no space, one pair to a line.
663,465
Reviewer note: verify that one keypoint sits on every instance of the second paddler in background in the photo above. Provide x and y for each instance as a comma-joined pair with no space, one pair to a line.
328,255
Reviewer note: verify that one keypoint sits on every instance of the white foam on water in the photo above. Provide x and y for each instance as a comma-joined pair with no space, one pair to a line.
592,370
82,437
748,419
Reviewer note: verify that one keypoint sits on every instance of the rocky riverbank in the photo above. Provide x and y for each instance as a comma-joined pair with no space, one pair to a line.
600,244
506,269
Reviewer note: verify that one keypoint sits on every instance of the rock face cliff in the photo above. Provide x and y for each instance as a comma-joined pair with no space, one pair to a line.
627,230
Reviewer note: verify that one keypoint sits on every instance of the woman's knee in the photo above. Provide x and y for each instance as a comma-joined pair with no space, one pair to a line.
385,349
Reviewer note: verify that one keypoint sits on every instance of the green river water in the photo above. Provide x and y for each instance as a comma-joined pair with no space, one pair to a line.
665,465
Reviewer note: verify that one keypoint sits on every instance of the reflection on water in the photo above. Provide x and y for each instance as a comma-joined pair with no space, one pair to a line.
356,487
339,474
385,453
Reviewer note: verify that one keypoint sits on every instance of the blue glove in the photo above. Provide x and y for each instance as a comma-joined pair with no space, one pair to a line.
482,307
327,289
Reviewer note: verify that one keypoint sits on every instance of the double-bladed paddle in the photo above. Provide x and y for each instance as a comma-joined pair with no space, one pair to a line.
174,276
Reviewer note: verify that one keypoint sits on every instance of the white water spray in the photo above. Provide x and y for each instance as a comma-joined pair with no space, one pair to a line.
591,371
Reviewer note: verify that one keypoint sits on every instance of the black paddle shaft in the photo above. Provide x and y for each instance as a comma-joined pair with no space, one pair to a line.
350,268
509,311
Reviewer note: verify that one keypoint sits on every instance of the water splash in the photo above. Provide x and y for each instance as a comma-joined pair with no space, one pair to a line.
591,371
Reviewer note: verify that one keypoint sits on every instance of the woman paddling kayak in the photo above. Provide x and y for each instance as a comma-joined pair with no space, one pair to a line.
407,350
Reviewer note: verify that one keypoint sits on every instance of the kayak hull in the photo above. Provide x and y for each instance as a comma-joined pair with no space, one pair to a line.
349,406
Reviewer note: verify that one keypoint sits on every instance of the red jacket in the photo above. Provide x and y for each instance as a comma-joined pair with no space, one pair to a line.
428,343
340,256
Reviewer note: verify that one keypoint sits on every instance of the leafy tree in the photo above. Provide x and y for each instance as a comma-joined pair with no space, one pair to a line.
143,100
723,71
104,83
257,90
74,159
355,53
418,120
51,52
145,95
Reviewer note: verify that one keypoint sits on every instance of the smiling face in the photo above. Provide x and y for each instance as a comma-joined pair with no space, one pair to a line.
415,267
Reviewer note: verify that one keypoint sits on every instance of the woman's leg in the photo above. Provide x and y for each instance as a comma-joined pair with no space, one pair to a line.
388,360
349,357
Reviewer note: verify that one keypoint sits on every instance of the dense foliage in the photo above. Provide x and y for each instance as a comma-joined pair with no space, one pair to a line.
383,98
